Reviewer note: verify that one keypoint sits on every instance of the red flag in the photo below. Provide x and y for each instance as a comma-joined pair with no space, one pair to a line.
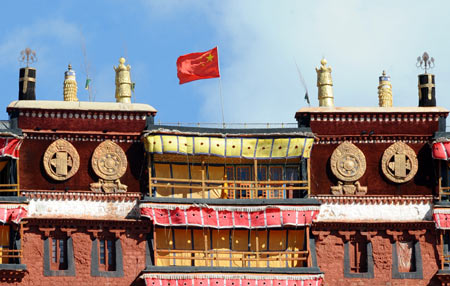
198,66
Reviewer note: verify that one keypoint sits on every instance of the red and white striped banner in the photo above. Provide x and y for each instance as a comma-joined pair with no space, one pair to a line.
229,216
9,147
441,217
13,214
232,280
441,150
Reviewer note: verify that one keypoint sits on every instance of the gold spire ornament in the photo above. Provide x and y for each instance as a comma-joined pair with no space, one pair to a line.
325,85
123,82
70,85
384,91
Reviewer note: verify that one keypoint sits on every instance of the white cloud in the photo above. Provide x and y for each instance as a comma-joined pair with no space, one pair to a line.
259,40
37,35
56,43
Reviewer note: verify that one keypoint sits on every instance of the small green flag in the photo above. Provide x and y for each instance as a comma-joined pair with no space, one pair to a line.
88,81
133,85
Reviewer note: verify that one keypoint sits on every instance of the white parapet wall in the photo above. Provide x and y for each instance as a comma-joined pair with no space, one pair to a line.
83,207
370,209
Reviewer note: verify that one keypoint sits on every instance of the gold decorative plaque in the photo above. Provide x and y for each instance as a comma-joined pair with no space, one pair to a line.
399,163
109,162
61,160
348,162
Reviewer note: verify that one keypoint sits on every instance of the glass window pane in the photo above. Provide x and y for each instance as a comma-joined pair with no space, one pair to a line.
110,252
62,249
54,250
276,173
102,251
292,174
243,173
262,173
230,173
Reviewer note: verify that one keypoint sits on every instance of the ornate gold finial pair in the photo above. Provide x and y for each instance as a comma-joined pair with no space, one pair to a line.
70,85
385,91
123,82
325,85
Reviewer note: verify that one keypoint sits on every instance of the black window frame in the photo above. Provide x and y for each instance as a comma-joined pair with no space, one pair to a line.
418,274
69,257
96,270
369,259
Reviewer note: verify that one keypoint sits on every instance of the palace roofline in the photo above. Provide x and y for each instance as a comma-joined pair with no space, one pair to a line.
365,109
80,105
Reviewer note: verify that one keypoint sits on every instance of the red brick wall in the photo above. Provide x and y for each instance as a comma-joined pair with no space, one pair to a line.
330,258
133,250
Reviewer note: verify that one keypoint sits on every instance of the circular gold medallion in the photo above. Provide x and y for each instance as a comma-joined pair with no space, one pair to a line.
109,161
61,160
348,162
399,163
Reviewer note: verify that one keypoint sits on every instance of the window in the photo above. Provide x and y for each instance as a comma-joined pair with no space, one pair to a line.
4,243
8,177
230,248
446,252
243,173
59,254
406,256
406,260
107,255
358,258
240,180
10,252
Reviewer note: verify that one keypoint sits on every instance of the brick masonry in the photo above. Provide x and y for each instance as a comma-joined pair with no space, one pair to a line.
133,248
330,258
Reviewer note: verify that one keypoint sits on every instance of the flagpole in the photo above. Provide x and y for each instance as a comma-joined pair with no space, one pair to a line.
220,89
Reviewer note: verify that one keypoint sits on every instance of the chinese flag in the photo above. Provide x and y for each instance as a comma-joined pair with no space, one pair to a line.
196,66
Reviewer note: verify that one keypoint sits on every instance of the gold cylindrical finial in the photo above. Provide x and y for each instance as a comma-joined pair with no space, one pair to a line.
70,85
123,82
384,91
325,85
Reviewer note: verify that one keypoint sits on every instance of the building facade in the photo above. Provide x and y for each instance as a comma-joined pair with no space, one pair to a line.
96,193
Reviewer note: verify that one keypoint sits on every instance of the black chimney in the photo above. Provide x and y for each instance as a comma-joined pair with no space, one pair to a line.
427,88
27,83
27,76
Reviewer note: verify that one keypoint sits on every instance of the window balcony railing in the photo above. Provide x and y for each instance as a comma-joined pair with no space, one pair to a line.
444,191
226,258
9,189
9,255
231,189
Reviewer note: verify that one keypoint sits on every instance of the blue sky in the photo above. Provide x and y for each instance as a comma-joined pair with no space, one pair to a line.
258,44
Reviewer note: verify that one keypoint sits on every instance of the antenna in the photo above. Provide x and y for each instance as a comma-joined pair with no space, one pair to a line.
302,81
86,69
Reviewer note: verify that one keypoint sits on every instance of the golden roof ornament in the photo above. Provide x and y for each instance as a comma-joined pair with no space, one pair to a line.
123,82
384,91
70,85
325,85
